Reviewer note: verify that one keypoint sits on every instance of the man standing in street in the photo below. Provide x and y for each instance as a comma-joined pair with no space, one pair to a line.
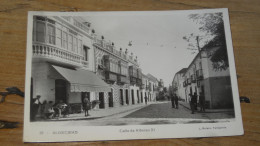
172,100
176,101
35,104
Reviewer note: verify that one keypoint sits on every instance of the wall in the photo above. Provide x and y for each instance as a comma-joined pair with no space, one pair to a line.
42,83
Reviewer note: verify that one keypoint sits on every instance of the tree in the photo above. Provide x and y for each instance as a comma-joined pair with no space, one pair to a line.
212,24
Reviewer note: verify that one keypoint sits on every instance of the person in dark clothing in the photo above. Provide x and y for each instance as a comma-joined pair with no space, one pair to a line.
172,100
145,99
195,100
202,102
176,101
86,105
35,104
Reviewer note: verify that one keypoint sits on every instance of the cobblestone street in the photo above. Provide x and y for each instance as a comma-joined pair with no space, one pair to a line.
156,113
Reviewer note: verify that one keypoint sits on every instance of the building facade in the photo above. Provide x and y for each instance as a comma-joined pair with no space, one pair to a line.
63,61
200,77
112,67
177,85
69,62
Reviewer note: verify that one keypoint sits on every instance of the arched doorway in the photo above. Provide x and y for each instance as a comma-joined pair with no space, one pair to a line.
110,98
133,97
126,97
121,97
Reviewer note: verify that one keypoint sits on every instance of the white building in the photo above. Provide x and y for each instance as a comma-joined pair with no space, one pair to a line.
63,61
177,84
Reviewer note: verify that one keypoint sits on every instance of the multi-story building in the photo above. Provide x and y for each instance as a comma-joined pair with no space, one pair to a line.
135,77
69,62
153,87
202,78
63,60
112,67
177,84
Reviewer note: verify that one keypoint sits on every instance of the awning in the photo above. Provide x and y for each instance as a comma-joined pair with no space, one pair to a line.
83,80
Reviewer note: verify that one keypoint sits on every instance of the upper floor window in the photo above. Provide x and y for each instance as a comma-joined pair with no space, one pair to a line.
75,45
85,52
64,40
51,34
58,37
70,42
40,31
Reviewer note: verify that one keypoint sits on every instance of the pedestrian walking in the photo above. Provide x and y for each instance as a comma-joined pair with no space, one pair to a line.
176,101
86,105
172,100
202,102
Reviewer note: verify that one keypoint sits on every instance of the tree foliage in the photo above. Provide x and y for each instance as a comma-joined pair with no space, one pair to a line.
212,24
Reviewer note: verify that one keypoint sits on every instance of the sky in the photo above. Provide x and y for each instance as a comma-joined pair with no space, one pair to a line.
157,39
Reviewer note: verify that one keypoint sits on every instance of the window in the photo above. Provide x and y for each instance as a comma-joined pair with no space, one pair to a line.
70,42
64,40
58,37
40,31
85,52
75,45
80,46
51,34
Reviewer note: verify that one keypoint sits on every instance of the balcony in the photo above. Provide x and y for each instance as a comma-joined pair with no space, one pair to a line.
111,77
142,87
110,48
132,80
121,79
193,78
188,81
199,74
184,84
58,55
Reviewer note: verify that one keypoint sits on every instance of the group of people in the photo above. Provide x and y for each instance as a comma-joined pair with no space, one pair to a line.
48,110
194,104
174,100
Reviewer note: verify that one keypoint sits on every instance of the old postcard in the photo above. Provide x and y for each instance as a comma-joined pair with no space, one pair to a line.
130,75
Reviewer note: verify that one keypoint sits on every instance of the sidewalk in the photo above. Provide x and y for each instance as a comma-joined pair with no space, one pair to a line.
187,105
100,113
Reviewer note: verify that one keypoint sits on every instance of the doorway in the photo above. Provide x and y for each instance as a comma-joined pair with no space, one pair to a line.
60,91
133,97
110,98
101,99
121,97
126,97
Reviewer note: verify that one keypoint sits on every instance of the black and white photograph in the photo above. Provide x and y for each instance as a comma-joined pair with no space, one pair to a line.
130,75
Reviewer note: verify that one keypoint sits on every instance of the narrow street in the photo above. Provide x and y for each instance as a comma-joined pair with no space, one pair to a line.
156,113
